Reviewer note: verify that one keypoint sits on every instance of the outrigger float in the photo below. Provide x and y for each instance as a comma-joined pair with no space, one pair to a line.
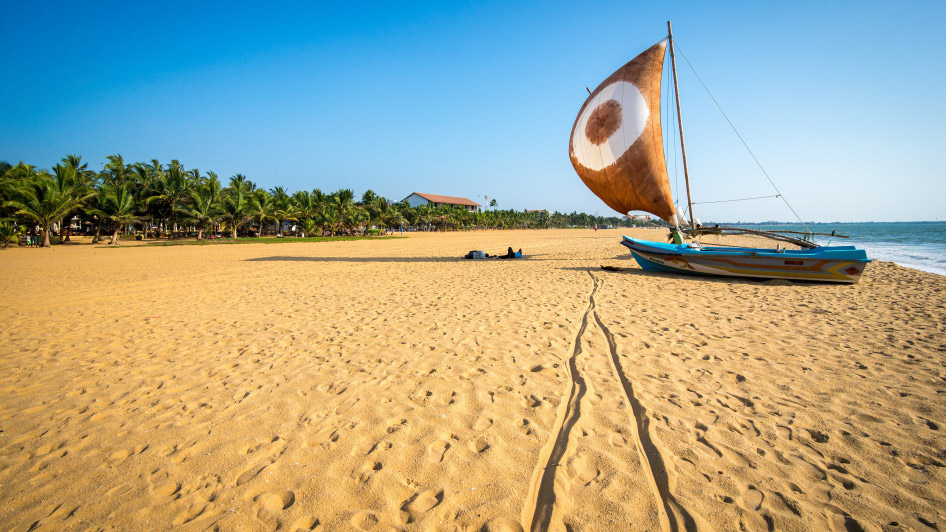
616,147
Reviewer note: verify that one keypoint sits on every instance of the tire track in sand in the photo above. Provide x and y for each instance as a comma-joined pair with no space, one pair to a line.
537,512
672,515
540,506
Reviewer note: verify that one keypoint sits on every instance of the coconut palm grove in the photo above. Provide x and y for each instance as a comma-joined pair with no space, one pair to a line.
168,201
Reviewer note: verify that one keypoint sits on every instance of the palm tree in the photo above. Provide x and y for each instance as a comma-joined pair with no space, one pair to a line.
380,211
308,225
7,184
343,201
171,188
395,216
116,171
239,181
39,199
304,206
283,206
359,217
74,178
329,218
236,209
262,208
9,232
204,206
148,176
117,205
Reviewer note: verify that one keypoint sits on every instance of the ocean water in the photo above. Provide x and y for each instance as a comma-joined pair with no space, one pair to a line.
919,245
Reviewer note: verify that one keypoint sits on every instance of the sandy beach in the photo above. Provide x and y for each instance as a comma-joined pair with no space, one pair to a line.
390,385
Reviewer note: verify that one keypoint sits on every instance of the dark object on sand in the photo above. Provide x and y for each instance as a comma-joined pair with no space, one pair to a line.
611,268
476,254
510,254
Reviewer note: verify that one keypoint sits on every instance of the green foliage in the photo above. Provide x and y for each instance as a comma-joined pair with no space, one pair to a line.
9,232
174,200
307,226
236,210
38,197
269,240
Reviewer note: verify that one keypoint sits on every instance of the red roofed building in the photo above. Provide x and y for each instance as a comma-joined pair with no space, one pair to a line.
420,198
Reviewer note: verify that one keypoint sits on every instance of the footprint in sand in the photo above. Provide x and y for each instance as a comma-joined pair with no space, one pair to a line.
583,468
118,457
363,448
478,445
275,501
364,520
189,514
167,489
436,450
396,425
303,524
530,401
751,499
249,474
482,423
423,502
525,428
368,469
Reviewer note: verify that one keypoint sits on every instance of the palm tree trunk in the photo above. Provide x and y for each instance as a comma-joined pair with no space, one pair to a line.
200,234
234,232
114,239
46,237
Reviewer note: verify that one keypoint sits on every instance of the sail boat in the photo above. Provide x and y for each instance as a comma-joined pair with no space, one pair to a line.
616,147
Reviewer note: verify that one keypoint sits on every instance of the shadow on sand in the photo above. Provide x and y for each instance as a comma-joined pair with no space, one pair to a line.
637,272
283,258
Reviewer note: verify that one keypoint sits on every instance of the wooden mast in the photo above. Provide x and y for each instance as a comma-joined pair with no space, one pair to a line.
676,92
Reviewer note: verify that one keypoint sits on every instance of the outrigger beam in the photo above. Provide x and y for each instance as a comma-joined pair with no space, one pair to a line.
774,235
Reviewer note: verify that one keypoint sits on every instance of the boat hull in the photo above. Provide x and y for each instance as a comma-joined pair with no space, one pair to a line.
836,264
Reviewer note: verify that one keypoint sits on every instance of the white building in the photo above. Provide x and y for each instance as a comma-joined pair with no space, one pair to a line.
420,198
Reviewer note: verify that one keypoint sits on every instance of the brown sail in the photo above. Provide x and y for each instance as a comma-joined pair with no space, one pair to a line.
616,144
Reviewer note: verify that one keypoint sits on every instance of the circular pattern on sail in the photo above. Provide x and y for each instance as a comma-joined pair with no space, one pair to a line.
611,122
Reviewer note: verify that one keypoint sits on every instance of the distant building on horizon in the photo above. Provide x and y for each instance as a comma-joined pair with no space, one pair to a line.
539,211
436,200
639,217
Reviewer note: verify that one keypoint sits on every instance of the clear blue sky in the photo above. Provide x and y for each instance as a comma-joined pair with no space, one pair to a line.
842,102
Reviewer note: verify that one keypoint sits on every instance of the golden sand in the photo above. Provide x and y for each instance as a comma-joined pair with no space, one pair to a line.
387,384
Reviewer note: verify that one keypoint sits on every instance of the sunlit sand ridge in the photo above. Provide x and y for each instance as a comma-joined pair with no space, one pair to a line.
389,385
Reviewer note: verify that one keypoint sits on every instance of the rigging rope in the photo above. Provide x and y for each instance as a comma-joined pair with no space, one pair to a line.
739,199
736,131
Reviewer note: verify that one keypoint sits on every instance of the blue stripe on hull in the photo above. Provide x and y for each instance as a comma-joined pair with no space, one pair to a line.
651,266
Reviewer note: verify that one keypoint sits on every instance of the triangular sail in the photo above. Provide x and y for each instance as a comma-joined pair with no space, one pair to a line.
616,143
